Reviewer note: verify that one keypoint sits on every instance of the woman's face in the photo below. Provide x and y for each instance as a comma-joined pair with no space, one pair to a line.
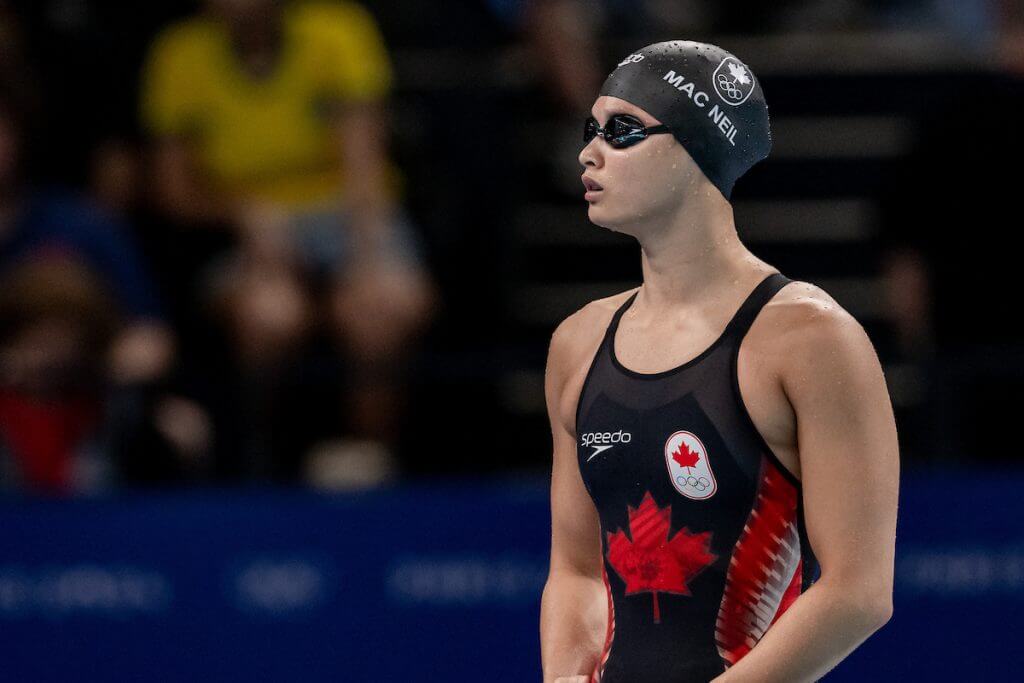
639,184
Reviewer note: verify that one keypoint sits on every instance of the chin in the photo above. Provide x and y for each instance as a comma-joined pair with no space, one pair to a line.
599,217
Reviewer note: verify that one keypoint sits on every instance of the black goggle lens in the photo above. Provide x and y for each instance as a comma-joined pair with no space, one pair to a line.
622,130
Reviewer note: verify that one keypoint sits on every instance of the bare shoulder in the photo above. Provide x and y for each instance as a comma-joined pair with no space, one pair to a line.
573,345
583,330
802,302
805,310
803,324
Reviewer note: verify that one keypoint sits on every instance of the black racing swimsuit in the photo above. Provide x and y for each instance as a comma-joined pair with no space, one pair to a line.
702,527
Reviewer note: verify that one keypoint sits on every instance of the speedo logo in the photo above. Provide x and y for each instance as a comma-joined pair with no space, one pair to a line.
602,441
722,122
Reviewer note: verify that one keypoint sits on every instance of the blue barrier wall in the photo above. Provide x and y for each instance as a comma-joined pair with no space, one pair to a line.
421,583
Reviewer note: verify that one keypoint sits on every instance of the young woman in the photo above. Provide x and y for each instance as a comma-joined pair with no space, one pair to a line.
726,467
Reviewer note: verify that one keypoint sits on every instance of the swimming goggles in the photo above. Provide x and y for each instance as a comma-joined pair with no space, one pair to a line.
622,130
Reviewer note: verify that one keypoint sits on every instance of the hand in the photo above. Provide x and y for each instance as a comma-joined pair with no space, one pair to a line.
572,679
263,231
142,352
186,425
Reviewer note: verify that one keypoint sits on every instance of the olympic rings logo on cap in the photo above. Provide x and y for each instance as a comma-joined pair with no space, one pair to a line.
733,81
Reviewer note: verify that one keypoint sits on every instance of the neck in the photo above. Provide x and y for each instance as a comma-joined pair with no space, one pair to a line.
257,43
696,256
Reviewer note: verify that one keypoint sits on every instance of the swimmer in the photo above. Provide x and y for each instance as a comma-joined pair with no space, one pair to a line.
725,468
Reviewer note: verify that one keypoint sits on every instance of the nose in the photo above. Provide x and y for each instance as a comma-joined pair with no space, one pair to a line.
591,155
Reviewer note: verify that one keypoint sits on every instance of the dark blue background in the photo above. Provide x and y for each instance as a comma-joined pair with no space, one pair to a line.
437,582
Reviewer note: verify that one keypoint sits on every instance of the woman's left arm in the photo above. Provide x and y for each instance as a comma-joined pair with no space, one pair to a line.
849,464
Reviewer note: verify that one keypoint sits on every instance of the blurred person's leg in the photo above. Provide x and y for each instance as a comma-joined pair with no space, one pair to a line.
375,311
267,310
262,303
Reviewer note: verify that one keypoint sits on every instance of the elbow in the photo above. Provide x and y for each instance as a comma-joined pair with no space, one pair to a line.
864,615
879,599
875,609
882,611
866,603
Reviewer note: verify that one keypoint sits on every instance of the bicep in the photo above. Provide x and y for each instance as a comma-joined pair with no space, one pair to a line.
360,132
575,528
361,70
849,457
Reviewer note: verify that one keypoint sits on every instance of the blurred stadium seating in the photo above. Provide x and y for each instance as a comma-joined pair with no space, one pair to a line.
183,574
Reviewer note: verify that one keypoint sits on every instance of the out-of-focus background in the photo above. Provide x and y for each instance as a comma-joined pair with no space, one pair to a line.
277,280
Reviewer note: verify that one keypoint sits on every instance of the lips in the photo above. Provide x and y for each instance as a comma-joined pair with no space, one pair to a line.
591,184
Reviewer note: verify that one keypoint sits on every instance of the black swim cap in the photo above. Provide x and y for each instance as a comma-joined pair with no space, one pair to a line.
709,99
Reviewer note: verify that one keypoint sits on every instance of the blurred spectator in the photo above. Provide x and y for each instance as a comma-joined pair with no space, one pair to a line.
269,123
947,268
78,317
560,34
1010,35
55,321
561,38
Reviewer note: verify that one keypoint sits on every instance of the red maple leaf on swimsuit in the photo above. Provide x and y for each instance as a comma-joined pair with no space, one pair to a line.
684,456
653,563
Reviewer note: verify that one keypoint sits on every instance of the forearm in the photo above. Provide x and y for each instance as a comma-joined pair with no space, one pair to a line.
363,149
184,196
818,631
573,621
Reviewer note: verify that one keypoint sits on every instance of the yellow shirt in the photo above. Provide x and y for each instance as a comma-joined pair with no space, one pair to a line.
267,138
